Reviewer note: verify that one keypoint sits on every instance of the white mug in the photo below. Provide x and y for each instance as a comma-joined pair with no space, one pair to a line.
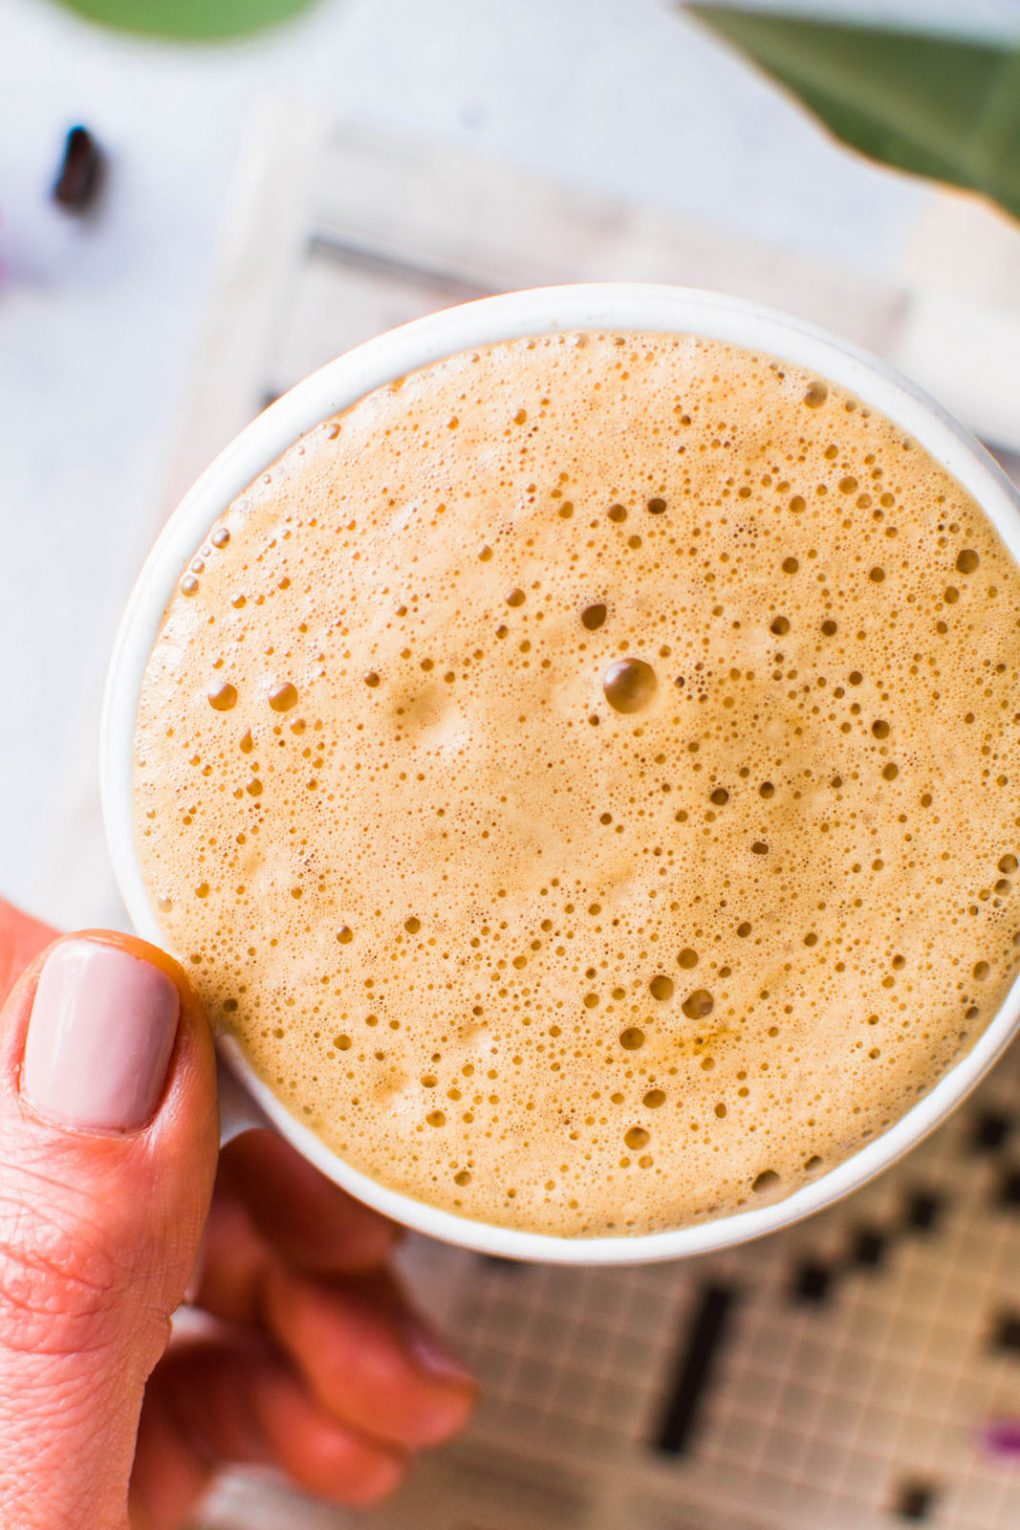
619,306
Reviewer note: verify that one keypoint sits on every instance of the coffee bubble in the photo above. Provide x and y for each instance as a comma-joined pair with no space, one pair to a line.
223,697
282,697
629,685
765,1182
699,1004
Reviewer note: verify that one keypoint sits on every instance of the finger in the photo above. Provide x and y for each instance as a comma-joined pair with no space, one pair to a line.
368,1359
235,1401
233,1263
21,940
108,1126
312,1223
236,1253
171,1472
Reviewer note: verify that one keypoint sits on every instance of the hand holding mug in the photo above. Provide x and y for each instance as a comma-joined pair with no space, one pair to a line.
113,1205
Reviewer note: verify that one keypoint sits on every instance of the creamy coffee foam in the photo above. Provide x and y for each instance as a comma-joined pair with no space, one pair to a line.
583,776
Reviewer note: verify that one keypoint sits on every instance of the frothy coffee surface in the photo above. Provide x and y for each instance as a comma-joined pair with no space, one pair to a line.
583,775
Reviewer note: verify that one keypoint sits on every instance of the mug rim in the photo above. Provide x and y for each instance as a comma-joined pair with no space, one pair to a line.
635,307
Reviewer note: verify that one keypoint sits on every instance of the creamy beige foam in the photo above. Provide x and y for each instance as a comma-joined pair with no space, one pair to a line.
583,776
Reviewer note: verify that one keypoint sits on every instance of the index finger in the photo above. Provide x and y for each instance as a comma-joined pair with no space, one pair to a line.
21,940
313,1224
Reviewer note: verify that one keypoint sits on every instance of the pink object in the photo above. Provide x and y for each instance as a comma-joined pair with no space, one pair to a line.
100,1036
1002,1438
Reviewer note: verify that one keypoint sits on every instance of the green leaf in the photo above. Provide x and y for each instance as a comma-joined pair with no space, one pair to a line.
188,20
936,105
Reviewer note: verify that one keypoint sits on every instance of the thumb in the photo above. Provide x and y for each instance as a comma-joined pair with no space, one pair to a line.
108,1141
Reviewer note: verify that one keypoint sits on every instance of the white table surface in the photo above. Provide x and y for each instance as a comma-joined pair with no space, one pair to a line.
99,319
